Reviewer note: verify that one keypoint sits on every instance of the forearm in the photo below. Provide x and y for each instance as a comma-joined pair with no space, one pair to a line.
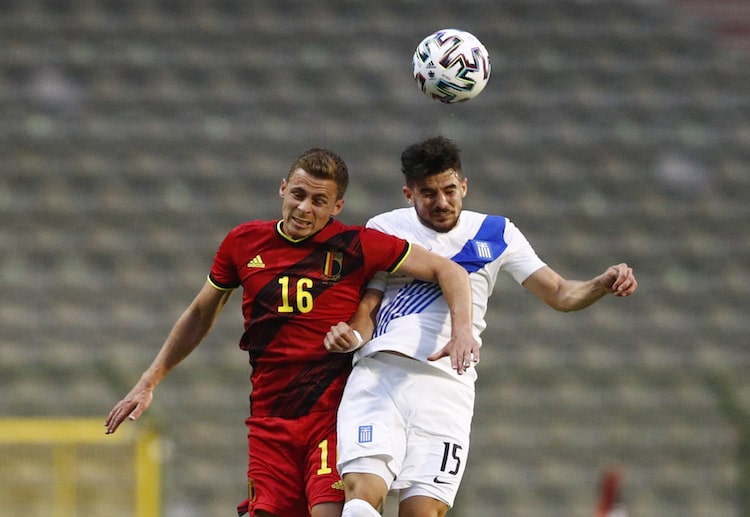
456,287
574,295
462,348
186,334
364,318
189,330
342,337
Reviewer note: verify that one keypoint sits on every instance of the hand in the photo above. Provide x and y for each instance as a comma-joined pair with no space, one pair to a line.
131,407
463,351
619,280
342,339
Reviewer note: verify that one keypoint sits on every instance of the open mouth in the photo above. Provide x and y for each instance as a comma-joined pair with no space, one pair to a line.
301,223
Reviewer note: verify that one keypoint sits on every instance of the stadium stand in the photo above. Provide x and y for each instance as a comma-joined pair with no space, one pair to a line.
135,134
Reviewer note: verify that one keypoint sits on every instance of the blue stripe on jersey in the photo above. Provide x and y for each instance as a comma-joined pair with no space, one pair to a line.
488,244
413,298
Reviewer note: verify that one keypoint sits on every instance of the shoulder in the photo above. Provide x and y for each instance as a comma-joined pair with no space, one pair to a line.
251,226
392,220
344,233
379,235
250,229
484,218
480,224
337,228
398,214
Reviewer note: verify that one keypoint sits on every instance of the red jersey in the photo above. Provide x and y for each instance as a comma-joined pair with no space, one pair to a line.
293,292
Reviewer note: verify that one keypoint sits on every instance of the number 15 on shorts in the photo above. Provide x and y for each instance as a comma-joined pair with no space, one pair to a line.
451,463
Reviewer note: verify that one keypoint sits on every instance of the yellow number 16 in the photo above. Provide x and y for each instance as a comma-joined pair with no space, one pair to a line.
304,297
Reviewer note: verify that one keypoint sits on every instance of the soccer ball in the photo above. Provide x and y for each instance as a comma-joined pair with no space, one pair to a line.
451,66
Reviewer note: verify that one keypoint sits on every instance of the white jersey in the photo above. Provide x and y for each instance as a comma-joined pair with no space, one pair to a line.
414,318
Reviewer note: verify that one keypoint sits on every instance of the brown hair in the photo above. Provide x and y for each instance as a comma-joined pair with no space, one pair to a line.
323,164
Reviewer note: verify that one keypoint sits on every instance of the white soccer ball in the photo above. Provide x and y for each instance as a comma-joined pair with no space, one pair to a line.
451,66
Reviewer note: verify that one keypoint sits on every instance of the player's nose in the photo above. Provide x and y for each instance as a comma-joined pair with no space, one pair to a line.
441,200
305,205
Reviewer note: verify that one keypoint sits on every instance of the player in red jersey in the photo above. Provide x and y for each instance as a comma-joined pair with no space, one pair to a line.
300,276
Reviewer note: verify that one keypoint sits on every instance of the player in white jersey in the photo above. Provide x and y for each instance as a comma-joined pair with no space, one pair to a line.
405,417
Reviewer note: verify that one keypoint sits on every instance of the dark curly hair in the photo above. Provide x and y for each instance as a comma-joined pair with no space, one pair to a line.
433,156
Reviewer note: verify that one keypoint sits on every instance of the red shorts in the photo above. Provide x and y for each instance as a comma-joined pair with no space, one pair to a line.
292,464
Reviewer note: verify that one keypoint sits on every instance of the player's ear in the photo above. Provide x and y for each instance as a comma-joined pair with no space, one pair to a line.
282,188
338,207
464,186
407,194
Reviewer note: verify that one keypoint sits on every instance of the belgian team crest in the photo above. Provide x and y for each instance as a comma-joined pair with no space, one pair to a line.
333,265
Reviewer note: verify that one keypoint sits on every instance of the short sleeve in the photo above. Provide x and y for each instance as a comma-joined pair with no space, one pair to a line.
383,252
223,274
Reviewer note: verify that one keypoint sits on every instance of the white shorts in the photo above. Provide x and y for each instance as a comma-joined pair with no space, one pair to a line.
407,422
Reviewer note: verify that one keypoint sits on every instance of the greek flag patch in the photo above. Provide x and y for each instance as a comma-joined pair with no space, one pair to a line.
483,249
365,434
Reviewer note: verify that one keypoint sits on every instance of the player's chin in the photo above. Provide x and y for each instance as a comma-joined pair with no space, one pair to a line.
300,229
443,224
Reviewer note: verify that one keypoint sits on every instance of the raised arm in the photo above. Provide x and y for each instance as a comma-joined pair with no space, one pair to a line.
189,330
574,295
454,281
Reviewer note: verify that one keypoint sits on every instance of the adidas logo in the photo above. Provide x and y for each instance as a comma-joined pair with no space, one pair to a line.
256,262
